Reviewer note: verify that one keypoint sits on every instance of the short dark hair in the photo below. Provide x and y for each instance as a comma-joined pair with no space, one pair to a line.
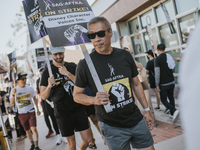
100,19
161,47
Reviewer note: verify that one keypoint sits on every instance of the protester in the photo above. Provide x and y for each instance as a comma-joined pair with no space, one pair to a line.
124,125
189,91
70,116
26,110
150,71
48,111
164,66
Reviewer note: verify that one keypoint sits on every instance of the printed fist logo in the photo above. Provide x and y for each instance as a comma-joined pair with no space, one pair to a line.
118,91
74,32
68,86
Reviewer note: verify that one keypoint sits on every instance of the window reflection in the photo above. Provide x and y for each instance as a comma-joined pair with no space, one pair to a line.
137,44
184,5
141,60
160,16
166,37
147,42
147,19
133,25
186,25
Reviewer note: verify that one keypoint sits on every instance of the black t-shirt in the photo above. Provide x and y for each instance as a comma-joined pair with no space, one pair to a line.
66,106
150,68
115,71
166,74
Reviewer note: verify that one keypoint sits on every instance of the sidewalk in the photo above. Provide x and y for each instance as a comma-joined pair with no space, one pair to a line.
166,135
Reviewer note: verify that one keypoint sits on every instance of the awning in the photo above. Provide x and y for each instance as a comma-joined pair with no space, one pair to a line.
3,67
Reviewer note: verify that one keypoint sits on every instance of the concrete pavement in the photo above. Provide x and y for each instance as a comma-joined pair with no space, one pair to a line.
166,135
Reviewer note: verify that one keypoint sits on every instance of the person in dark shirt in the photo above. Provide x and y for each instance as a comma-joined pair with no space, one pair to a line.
150,71
48,111
120,121
70,116
164,66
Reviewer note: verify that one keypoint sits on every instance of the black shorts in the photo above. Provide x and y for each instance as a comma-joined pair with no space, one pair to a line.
77,121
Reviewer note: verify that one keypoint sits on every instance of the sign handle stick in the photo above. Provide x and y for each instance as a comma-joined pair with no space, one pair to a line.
94,74
47,57
4,130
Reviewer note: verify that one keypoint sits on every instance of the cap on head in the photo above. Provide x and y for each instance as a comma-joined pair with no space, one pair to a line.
55,50
20,75
41,68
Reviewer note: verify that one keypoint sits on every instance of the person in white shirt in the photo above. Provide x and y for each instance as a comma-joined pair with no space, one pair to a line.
24,95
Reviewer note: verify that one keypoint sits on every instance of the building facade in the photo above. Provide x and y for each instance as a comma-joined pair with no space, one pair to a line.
130,16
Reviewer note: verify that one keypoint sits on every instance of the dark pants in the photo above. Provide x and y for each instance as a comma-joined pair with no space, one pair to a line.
168,91
48,111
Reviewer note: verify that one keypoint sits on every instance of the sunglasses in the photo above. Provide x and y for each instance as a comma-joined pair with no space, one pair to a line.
99,34
23,78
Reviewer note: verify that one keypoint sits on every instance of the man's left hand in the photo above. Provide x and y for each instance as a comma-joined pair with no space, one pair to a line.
149,120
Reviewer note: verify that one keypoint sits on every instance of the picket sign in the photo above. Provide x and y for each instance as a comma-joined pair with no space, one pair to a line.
94,74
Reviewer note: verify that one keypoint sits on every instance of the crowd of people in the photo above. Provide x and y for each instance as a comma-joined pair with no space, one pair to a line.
70,95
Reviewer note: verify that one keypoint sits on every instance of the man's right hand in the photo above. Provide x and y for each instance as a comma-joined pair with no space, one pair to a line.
51,81
101,98
158,89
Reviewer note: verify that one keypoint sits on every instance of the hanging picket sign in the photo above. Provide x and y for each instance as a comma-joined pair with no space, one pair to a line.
171,26
13,66
35,23
36,26
196,15
149,33
66,23
40,57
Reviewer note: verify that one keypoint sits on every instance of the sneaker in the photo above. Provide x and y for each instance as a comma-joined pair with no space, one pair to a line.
157,108
175,116
49,133
37,148
64,140
167,111
171,116
32,147
92,146
59,139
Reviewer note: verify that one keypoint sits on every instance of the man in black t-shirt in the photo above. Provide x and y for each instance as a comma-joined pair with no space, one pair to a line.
164,66
124,124
58,88
150,71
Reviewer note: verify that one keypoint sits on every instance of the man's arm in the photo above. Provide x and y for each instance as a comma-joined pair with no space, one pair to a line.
45,90
138,65
36,104
139,92
12,99
101,98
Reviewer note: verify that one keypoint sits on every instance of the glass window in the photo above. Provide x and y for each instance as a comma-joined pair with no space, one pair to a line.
160,16
133,25
186,25
137,44
175,54
147,18
141,60
147,42
184,5
166,37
